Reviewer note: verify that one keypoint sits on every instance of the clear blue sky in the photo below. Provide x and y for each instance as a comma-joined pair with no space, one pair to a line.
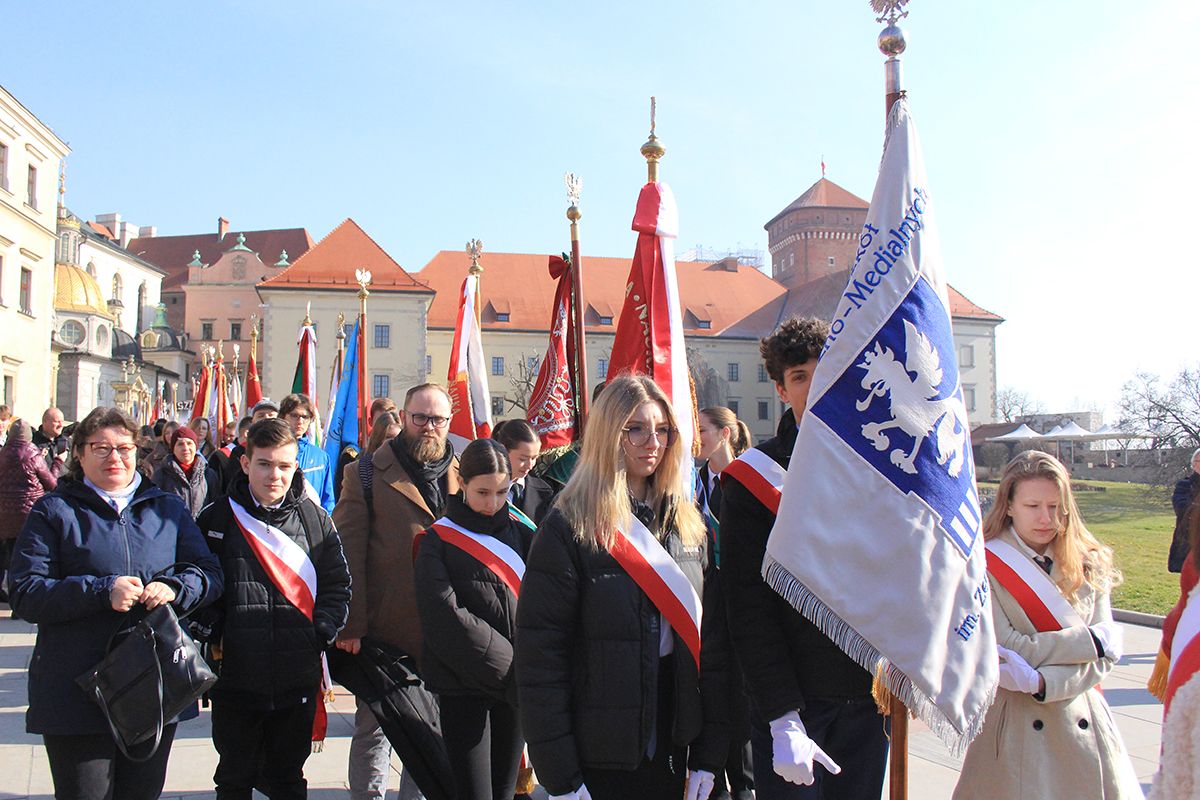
1060,137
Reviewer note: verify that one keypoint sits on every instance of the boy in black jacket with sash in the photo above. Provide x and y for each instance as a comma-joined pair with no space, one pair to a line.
287,594
811,703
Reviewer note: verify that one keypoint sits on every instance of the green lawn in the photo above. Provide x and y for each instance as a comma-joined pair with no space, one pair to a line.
1137,522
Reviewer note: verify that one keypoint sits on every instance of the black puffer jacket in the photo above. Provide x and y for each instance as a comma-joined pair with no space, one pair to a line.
587,660
784,657
468,615
270,648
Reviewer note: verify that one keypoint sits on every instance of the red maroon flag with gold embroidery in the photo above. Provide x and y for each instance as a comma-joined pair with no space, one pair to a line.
553,411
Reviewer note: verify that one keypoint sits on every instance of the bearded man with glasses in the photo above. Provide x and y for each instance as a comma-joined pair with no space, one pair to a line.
387,498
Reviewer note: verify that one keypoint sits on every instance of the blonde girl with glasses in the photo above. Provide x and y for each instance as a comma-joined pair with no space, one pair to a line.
105,542
621,696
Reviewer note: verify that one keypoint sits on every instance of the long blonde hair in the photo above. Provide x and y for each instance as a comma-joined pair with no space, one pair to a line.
596,499
1080,556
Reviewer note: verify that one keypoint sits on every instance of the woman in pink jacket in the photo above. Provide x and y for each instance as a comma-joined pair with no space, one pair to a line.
23,479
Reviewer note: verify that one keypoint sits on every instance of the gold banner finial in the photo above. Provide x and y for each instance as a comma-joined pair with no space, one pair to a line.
475,250
363,276
574,189
653,150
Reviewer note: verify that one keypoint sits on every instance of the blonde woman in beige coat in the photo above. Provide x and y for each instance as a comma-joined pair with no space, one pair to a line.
1050,733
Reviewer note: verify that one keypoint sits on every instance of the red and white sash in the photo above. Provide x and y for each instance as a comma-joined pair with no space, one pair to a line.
760,474
494,554
654,571
285,562
1185,649
1031,587
293,574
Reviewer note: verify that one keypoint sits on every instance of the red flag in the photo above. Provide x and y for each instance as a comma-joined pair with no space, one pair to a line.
469,395
253,385
203,387
552,407
649,337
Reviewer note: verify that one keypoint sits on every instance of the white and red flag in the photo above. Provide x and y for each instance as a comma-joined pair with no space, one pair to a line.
877,540
305,379
553,409
649,336
469,395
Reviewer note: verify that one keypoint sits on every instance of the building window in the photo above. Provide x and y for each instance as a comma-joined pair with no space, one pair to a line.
733,406
832,261
381,385
497,405
428,364
605,320
1,280
762,373
235,331
206,331
704,324
26,296
118,286
497,365
31,188
72,333
501,316
101,337
602,368
733,372
9,399
764,409
969,397
383,337
531,364
4,167
966,355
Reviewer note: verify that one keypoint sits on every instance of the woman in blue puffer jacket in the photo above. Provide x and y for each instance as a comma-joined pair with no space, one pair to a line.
89,552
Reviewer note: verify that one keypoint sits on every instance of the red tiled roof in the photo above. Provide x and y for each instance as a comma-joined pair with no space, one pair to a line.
100,229
824,194
331,264
172,254
523,282
960,306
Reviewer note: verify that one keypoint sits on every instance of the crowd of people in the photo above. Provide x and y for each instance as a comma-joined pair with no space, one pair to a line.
609,629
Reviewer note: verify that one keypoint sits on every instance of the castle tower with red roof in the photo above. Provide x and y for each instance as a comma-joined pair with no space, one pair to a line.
815,235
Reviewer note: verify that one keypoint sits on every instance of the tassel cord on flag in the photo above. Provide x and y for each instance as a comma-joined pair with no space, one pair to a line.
869,658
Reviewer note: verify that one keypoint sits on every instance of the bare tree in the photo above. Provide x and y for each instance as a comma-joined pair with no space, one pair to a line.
521,379
711,389
1168,413
1013,404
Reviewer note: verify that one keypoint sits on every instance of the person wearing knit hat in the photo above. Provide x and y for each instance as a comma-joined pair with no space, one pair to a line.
185,473
264,409
24,477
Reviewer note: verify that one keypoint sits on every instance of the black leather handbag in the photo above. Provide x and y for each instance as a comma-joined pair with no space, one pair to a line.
151,675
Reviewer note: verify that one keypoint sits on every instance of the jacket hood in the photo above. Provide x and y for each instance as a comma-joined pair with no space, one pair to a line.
78,491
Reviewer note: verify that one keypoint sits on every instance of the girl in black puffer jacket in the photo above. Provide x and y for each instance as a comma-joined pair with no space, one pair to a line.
621,696
469,567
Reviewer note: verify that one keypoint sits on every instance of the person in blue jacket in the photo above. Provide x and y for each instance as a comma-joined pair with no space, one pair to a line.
102,544
298,411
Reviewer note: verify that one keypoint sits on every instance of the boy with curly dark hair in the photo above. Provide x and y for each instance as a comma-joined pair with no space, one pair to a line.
811,704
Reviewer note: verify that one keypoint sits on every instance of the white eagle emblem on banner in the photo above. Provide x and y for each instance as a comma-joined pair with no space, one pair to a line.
914,404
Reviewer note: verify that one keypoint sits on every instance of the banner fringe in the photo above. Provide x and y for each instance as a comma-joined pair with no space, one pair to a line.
869,658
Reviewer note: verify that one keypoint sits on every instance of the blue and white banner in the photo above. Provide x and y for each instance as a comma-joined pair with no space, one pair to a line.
877,539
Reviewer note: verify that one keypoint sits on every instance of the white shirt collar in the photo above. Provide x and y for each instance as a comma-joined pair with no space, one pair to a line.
120,498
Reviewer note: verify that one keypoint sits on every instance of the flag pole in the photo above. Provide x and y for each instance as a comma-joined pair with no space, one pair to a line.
891,43
363,276
582,396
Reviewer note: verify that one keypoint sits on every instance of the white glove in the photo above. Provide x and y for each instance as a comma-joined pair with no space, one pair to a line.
793,751
1015,673
1112,638
699,784
579,794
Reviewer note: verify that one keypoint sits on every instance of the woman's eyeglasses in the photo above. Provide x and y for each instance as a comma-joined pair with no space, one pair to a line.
639,435
101,450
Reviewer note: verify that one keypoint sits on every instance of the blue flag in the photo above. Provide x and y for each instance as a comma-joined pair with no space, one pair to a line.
343,420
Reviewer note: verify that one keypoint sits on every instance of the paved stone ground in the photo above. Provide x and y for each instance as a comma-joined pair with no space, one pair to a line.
933,772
